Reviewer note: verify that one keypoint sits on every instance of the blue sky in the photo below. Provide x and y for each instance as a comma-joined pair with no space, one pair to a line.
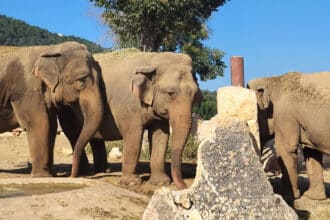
274,37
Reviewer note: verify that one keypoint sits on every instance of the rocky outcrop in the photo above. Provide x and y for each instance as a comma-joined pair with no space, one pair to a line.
229,184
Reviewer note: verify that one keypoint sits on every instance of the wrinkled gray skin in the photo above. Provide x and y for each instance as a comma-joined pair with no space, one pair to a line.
147,91
38,81
296,108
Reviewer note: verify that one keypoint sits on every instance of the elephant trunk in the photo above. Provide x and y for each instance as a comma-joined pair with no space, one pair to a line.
92,110
180,122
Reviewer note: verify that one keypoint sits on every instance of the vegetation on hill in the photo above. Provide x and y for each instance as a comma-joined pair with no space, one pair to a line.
14,32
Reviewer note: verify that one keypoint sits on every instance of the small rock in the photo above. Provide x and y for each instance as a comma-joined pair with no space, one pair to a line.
67,149
115,153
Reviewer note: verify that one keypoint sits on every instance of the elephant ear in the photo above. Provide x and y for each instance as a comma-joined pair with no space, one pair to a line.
263,97
198,98
46,68
141,83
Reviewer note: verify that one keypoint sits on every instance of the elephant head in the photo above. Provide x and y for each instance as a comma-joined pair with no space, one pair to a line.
263,90
72,76
170,89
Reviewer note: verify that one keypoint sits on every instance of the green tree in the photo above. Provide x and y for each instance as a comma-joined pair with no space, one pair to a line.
166,25
208,107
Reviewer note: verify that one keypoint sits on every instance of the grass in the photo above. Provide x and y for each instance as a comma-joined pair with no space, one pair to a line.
189,152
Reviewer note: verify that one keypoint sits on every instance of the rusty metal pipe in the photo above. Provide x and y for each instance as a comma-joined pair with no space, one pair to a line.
237,71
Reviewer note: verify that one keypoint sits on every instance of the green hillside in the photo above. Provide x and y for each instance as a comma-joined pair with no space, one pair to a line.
14,32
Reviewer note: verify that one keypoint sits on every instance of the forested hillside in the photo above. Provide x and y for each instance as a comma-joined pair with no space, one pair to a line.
14,32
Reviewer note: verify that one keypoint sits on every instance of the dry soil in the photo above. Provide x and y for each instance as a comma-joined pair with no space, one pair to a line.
15,163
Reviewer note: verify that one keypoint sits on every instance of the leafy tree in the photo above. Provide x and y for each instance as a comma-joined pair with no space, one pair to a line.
208,107
166,25
18,33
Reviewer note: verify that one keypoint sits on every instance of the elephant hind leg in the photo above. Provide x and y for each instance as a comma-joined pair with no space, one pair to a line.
99,156
313,161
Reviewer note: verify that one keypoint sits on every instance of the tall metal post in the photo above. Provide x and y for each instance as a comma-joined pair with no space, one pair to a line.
237,71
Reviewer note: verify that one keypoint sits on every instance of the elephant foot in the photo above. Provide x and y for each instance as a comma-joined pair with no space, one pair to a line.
40,173
159,179
180,186
102,169
85,170
316,194
130,180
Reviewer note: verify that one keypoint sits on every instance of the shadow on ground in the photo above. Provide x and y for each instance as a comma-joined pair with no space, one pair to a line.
143,169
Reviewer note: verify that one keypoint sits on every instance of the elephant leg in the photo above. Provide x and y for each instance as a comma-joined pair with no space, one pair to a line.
132,138
99,156
313,161
52,136
286,141
71,128
37,128
8,120
158,136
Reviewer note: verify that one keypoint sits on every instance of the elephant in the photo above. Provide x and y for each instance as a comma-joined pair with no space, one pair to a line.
39,82
295,107
146,90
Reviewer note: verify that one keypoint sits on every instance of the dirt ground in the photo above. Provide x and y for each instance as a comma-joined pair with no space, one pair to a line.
15,163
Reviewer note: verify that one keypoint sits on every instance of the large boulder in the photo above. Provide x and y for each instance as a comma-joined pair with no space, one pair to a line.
237,103
233,103
230,184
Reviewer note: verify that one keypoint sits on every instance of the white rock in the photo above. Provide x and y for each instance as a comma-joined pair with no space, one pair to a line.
67,149
240,104
115,153
206,128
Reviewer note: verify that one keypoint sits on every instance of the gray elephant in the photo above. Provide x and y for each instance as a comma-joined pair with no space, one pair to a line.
296,108
38,81
146,91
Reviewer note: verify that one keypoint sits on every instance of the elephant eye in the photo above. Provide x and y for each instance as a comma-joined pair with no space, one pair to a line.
81,83
169,92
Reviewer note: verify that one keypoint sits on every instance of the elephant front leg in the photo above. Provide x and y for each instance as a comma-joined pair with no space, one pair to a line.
132,144
158,136
52,136
38,133
313,161
286,141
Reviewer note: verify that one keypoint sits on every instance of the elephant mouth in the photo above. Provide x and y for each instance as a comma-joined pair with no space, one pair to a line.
162,114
